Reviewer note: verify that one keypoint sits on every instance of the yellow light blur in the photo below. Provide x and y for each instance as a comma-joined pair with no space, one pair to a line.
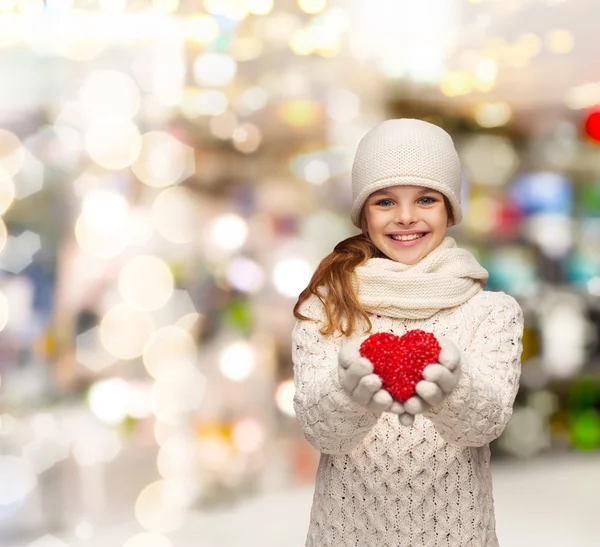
284,397
124,331
481,215
531,43
167,351
7,5
228,231
108,400
485,69
493,114
560,41
12,153
291,275
247,48
4,311
301,42
110,93
247,138
312,6
497,49
202,29
147,539
165,6
174,215
519,57
457,83
113,143
159,508
7,191
300,113
236,361
260,7
163,159
146,283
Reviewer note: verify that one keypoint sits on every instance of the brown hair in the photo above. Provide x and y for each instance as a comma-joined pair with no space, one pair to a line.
334,273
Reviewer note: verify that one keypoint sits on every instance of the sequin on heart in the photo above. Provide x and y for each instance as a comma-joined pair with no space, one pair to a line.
400,360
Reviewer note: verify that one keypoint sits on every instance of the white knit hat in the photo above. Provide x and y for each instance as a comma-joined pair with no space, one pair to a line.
406,152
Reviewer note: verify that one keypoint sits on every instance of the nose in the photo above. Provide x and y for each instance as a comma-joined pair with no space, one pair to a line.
405,214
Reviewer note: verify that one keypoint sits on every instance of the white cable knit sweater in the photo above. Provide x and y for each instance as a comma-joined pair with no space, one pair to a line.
380,484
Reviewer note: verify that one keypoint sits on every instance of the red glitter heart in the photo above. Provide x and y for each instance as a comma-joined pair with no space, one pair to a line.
400,360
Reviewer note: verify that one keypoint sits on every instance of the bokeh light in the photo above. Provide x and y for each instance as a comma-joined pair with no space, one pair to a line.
110,93
214,69
168,352
146,283
175,215
228,232
108,400
113,143
237,360
284,397
245,275
124,331
163,160
291,275
161,507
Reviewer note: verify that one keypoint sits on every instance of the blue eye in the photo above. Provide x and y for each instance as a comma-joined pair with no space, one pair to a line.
381,201
432,200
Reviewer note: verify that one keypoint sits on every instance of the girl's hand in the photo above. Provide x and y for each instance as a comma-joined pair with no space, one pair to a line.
439,380
362,386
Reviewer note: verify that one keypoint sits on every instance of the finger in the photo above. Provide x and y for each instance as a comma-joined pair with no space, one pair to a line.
365,389
397,408
380,401
440,375
349,353
430,392
358,370
406,419
416,405
449,354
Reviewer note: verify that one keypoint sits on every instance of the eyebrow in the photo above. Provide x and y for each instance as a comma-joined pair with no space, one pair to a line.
386,192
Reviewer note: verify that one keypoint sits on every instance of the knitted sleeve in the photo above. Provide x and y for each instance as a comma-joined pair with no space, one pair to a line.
330,420
479,408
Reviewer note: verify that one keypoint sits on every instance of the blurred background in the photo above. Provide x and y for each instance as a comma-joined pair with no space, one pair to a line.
173,171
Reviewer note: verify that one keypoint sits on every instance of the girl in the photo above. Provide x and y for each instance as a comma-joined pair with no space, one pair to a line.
412,474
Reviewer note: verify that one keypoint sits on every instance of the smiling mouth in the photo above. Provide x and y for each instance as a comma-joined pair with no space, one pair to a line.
412,237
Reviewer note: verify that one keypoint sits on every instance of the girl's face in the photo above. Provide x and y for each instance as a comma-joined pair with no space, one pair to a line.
406,222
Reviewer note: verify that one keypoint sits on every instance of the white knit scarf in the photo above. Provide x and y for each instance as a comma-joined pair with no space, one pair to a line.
446,277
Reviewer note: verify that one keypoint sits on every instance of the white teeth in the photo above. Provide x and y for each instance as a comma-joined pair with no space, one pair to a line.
407,238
